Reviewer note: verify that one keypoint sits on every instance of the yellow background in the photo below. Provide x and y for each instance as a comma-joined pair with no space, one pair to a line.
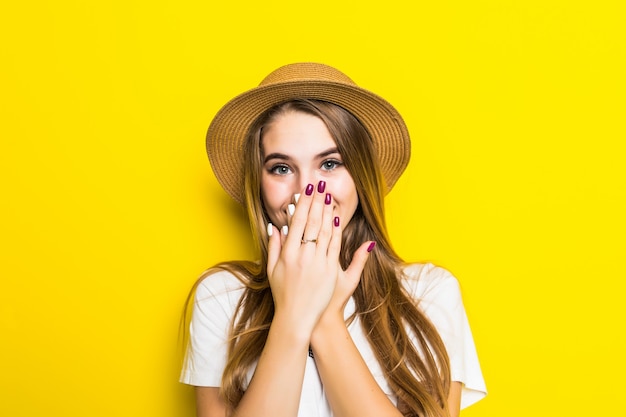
109,210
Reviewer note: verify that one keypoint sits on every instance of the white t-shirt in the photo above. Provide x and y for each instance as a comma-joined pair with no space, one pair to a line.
435,290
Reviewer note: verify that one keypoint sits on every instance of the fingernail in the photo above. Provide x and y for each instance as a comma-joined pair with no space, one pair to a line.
291,209
371,246
328,199
321,186
336,221
296,197
309,189
270,229
285,230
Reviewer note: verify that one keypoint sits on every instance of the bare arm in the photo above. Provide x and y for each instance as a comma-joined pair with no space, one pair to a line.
349,385
454,399
277,382
276,385
348,382
208,403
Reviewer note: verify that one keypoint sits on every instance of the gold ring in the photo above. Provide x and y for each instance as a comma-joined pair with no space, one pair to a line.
308,241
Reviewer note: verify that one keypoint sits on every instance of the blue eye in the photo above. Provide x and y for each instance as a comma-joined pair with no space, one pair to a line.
280,169
331,164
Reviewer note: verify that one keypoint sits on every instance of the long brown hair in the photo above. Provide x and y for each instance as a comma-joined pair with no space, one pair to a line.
404,341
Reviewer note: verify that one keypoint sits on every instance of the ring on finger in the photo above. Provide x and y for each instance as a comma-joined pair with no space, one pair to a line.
308,241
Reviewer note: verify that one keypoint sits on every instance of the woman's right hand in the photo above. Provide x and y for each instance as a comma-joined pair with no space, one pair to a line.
303,273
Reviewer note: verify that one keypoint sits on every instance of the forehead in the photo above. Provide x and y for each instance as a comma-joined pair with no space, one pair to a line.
296,133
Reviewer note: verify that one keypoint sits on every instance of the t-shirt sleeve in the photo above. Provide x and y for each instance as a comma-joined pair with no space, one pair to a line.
439,296
215,302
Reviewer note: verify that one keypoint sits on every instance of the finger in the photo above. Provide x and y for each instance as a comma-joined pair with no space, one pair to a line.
284,232
299,218
359,259
273,247
291,208
326,228
334,247
314,219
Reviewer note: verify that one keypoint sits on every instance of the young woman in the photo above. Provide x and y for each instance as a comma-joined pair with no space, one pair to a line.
329,321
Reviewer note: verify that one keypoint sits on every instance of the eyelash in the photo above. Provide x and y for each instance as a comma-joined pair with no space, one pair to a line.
274,169
336,164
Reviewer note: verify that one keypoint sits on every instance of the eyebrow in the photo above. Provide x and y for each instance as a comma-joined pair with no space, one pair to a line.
277,155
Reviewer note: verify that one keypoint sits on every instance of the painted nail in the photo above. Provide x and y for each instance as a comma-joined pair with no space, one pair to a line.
371,246
328,199
309,189
270,229
336,221
291,209
296,197
321,186
285,230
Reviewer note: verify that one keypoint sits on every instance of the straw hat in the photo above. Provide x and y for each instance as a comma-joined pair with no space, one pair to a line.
229,128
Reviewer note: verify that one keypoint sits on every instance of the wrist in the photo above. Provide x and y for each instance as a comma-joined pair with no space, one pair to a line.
297,329
327,329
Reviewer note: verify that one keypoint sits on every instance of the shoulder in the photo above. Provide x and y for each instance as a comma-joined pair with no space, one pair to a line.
215,300
218,282
425,280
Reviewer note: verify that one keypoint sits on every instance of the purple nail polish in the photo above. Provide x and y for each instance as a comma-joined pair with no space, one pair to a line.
321,186
336,221
309,189
371,246
328,199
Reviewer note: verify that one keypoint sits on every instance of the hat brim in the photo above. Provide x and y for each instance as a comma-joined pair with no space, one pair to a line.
230,126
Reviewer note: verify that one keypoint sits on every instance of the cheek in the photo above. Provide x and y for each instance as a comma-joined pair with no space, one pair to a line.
268,195
273,195
345,193
354,199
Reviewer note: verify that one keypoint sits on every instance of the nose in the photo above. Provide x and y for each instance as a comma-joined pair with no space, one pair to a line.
304,179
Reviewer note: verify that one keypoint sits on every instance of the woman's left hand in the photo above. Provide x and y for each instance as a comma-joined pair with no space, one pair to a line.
346,284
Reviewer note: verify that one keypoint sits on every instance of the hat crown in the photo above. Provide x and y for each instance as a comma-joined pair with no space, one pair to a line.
306,71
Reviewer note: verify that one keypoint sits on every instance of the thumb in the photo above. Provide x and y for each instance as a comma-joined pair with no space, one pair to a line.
359,259
273,247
